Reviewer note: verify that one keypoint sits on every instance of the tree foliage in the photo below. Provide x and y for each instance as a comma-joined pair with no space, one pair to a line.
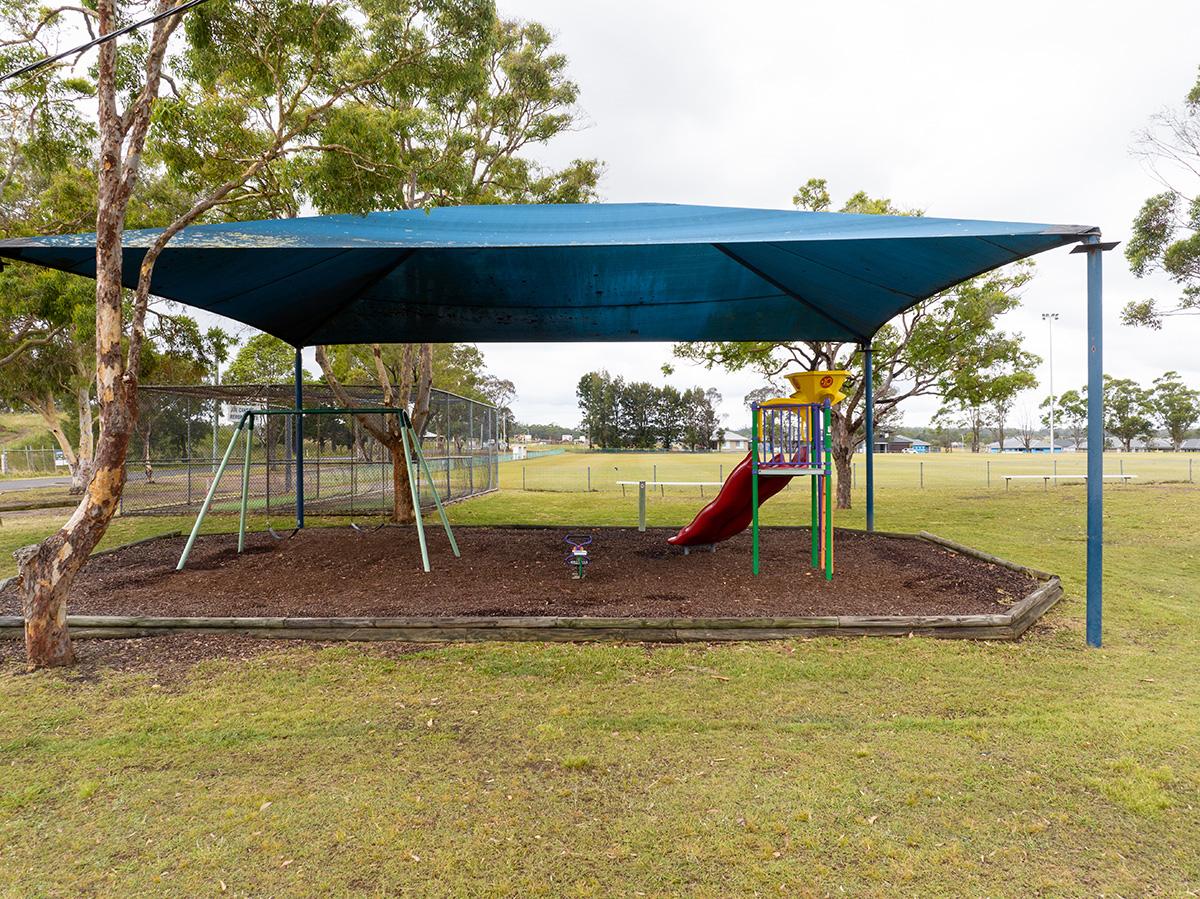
1070,414
1175,406
1166,230
916,354
263,359
639,415
1128,412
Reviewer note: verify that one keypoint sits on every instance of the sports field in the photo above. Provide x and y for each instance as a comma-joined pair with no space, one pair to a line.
870,767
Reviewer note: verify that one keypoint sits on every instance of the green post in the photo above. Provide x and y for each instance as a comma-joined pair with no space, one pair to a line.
412,486
245,487
187,549
814,526
828,495
437,500
754,483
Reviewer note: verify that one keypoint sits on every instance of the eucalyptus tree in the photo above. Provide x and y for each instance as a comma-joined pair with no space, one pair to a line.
249,88
452,134
1070,414
913,355
1166,230
1175,405
1128,412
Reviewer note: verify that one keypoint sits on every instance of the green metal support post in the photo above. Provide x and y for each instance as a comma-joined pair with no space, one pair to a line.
416,499
187,549
828,478
245,487
437,501
754,485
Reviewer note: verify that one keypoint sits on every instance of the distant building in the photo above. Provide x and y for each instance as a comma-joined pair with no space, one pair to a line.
1017,445
1191,445
733,442
902,444
1154,444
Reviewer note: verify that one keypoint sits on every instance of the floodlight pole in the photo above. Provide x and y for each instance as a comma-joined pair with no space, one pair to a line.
299,376
868,374
1093,247
1051,317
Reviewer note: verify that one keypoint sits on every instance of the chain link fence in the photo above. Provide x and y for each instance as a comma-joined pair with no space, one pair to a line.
183,433
36,460
694,473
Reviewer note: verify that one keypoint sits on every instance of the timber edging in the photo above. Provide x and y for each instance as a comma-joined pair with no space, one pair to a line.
1009,625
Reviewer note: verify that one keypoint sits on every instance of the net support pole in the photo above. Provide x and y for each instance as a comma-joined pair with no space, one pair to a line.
245,486
1093,247
869,385
299,378
212,490
437,500
416,500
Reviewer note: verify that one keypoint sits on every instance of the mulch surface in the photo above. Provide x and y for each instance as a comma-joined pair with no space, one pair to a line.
339,572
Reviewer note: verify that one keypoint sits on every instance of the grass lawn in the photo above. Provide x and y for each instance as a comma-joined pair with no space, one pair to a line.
870,767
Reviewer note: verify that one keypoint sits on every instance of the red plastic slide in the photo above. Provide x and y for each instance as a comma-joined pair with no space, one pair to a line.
729,513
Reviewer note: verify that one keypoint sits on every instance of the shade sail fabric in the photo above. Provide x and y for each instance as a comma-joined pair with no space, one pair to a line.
589,272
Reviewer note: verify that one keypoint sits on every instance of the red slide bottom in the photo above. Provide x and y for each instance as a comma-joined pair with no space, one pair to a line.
730,512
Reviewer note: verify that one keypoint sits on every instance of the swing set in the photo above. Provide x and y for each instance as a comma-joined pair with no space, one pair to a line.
414,460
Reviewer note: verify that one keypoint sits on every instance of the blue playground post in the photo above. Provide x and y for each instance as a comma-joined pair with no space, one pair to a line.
1093,247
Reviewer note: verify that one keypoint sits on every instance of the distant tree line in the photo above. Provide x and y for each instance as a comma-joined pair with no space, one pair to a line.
639,415
544,433
1131,412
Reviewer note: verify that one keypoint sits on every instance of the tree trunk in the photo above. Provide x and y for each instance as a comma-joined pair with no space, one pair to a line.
80,473
147,465
87,444
402,506
48,569
843,451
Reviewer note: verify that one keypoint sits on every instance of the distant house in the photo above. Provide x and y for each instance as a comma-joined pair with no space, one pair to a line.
1154,444
1191,445
901,444
734,442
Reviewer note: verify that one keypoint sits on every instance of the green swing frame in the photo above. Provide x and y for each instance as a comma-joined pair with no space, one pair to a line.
414,461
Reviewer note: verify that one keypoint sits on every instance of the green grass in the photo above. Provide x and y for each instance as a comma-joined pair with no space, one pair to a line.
870,767
18,429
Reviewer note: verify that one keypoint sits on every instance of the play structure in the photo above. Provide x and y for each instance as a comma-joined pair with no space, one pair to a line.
789,437
414,460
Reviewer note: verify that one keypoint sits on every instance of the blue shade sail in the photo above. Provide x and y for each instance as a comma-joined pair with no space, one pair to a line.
588,272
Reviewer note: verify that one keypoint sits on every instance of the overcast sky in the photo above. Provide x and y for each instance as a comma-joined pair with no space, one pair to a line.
1021,111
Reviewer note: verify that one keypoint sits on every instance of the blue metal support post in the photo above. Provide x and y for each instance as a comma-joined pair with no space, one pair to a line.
1093,247
868,374
299,375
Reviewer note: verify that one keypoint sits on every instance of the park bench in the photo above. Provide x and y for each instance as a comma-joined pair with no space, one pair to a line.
1047,478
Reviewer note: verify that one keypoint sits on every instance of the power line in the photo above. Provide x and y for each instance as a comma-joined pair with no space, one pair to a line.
41,63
